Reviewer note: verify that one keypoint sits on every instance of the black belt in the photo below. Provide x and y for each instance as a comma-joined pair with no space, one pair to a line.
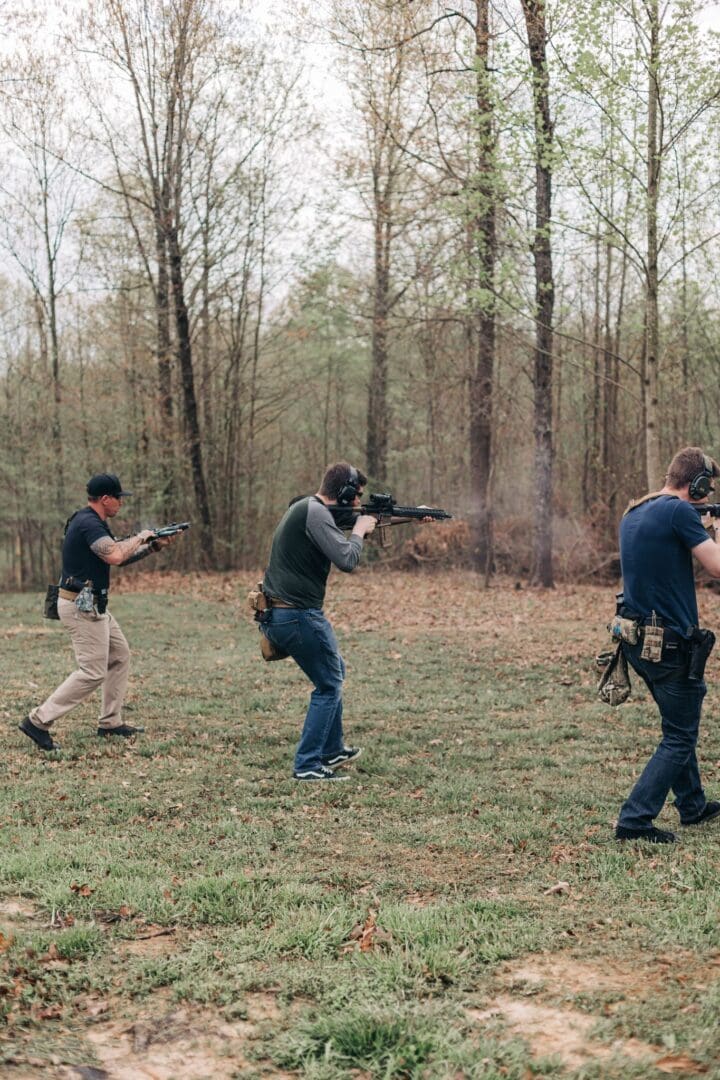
670,637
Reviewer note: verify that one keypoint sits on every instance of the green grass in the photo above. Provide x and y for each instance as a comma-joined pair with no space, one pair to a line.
489,775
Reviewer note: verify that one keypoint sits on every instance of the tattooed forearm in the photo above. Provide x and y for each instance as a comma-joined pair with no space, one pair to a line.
116,551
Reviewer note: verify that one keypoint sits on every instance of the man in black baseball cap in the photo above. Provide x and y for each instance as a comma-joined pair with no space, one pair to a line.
102,653
106,484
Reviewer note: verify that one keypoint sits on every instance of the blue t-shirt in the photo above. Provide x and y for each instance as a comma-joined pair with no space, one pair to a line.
79,563
656,539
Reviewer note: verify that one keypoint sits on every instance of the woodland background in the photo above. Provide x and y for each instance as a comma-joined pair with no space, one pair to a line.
471,250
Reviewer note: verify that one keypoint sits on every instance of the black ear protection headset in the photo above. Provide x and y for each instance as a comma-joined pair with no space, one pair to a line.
346,494
701,485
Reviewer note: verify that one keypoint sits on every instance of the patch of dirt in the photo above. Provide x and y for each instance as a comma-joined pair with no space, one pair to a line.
158,943
564,1032
561,1033
560,974
16,909
183,1044
564,975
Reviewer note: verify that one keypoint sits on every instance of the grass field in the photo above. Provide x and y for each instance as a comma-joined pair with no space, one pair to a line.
180,908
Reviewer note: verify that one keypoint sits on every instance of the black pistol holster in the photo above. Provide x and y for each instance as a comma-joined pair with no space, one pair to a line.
701,645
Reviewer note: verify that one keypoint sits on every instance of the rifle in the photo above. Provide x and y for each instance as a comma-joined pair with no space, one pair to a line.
384,508
172,529
713,509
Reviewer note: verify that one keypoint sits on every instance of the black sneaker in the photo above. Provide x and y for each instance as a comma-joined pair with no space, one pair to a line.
38,735
320,773
126,730
348,753
651,835
712,810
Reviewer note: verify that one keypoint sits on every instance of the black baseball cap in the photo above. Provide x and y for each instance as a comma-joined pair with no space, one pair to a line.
105,484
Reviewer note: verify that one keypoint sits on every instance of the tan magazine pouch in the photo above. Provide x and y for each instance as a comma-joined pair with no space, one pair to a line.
614,686
257,600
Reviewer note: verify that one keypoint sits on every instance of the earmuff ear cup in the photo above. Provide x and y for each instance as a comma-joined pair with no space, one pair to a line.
702,484
349,490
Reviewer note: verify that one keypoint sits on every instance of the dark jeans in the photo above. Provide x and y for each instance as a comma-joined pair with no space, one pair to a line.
673,766
310,639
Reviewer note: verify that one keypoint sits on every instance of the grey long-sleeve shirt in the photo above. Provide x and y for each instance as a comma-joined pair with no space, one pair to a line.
306,543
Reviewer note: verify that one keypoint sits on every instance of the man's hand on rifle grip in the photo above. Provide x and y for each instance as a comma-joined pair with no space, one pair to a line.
364,525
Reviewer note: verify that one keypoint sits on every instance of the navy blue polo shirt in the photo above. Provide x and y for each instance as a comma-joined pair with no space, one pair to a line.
78,561
656,540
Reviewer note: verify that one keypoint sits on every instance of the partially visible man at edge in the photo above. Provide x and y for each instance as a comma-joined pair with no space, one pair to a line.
101,651
306,543
659,535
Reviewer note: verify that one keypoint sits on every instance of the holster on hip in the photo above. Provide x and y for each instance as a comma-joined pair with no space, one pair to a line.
50,605
701,645
270,651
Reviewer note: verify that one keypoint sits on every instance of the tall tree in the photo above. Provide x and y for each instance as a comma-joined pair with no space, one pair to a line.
166,54
537,36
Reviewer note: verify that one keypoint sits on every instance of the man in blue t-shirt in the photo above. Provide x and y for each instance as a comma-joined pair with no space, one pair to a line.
101,651
659,535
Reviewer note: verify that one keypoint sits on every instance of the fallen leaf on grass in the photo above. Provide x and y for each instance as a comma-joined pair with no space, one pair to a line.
61,919
98,1008
679,1063
558,887
366,937
51,954
52,1012
109,917
81,890
5,942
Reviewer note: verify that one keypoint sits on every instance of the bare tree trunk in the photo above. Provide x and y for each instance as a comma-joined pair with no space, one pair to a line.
163,345
542,573
484,191
650,385
184,350
377,415
57,439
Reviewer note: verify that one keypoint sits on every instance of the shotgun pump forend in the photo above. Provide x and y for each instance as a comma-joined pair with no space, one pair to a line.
172,529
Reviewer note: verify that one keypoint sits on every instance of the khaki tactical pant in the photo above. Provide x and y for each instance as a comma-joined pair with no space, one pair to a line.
103,659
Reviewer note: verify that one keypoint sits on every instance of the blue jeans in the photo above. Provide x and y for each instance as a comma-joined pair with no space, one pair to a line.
673,766
310,639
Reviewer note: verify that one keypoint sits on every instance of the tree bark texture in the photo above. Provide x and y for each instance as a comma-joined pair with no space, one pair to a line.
650,381
542,573
484,244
